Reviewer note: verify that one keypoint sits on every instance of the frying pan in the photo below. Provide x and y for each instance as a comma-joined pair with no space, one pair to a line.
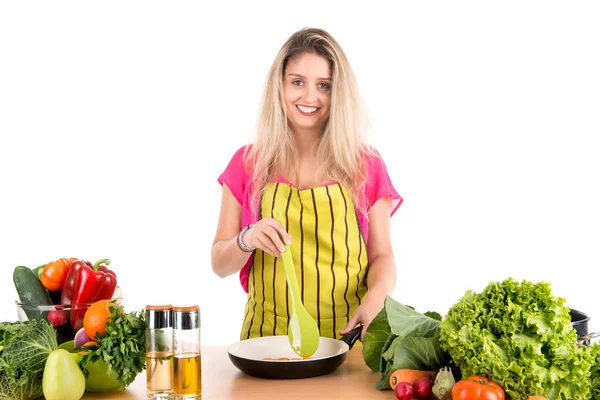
249,356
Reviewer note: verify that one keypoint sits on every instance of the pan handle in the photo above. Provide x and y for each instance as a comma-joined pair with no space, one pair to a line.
352,336
585,339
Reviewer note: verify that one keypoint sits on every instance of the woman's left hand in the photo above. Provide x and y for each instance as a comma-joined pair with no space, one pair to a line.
365,314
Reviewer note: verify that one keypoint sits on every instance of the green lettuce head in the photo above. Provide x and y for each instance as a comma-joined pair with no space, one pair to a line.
519,335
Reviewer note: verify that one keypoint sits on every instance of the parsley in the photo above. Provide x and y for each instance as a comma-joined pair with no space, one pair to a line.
122,347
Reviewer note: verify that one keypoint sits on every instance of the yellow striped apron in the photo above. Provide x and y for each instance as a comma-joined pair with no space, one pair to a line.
329,256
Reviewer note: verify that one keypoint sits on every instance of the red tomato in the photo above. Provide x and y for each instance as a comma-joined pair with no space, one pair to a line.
477,388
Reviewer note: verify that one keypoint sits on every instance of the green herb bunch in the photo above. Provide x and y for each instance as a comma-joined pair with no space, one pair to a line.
122,347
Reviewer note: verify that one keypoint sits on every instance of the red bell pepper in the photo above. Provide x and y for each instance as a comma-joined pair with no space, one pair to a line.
87,283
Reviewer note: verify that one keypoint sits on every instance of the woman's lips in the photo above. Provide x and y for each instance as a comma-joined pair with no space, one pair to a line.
307,111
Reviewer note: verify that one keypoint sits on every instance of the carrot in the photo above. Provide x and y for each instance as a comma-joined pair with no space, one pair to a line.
409,376
537,398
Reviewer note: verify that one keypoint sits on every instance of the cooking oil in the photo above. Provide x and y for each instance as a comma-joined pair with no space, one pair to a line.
159,352
159,375
188,375
187,371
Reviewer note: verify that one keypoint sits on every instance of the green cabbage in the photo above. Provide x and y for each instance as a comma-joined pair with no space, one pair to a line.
401,338
520,336
24,349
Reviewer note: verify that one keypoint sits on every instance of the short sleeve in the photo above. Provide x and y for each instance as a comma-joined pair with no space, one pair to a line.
235,176
379,183
237,179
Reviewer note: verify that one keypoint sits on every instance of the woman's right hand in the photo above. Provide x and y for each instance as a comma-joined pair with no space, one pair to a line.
267,235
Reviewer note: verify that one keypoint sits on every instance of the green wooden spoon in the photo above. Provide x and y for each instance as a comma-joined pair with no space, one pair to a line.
303,331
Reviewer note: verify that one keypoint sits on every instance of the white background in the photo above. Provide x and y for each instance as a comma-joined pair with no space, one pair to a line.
117,117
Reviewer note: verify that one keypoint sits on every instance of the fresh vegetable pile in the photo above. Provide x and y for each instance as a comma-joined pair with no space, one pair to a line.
109,361
513,338
24,350
77,336
65,282
121,344
520,336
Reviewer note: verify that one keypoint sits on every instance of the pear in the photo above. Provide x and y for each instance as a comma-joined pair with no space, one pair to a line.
63,379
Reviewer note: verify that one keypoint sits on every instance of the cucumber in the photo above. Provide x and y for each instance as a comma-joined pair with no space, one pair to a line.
31,291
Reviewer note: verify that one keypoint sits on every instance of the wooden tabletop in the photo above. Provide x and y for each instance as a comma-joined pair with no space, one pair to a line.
221,380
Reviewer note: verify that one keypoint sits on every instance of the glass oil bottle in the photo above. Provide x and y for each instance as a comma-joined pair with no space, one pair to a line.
187,377
159,352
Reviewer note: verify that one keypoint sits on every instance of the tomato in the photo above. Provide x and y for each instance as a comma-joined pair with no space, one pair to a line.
477,388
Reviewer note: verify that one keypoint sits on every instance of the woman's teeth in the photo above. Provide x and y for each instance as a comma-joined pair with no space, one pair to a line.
307,110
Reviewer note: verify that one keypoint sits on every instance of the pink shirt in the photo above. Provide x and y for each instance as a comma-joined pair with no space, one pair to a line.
238,179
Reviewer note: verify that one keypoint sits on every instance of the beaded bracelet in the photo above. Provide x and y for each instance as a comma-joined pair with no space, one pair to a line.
240,240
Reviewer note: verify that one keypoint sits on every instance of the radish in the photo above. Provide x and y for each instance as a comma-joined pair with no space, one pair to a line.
423,388
57,317
81,338
404,391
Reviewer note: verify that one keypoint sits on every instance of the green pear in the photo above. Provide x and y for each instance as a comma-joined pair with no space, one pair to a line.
97,379
63,379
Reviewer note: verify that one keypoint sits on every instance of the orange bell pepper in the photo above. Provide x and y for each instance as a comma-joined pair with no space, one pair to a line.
55,273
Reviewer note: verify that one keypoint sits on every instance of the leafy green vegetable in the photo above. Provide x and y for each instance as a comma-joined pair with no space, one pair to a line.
375,339
405,321
399,337
384,382
122,347
418,353
434,315
422,353
595,370
519,335
24,349
386,346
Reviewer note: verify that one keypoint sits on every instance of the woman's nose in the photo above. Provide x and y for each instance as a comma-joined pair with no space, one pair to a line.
310,95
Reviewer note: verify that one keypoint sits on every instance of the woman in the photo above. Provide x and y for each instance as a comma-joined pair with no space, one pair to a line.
309,159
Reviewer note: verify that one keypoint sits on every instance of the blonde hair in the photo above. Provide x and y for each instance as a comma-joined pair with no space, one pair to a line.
342,147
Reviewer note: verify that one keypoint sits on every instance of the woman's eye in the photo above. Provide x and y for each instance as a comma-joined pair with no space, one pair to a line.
324,85
297,82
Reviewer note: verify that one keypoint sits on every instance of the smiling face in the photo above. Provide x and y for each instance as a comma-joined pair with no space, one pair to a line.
307,92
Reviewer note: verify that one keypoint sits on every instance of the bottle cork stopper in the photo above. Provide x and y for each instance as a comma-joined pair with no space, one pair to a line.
186,308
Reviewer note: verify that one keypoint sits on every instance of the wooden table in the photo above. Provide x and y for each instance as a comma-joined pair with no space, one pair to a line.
221,380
